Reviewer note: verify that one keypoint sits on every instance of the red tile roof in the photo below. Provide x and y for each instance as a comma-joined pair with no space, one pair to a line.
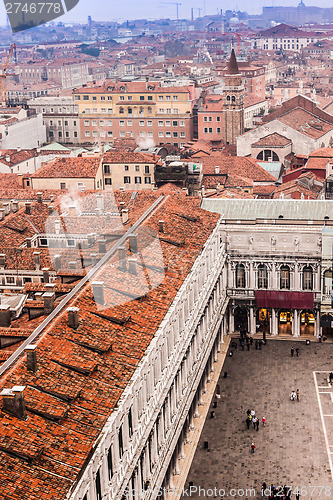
69,167
272,140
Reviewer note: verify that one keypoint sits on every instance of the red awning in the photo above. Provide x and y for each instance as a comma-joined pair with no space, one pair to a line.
284,299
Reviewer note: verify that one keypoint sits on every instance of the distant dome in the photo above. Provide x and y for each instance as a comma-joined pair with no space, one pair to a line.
233,21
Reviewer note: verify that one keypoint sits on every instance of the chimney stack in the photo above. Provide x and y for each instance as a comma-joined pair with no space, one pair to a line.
133,242
73,317
98,291
14,206
28,242
37,260
13,401
51,198
102,246
132,266
48,299
2,260
5,319
91,238
217,169
6,208
40,197
46,274
57,226
2,213
28,207
161,226
122,258
57,262
31,351
124,215
100,202
51,208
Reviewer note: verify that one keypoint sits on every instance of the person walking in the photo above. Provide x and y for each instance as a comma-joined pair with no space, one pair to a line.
330,377
293,395
292,352
248,344
297,394
253,447
254,421
297,496
260,344
263,420
256,344
248,421
253,413
257,424
297,352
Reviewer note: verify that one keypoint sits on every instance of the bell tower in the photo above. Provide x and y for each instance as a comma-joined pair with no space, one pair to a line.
233,105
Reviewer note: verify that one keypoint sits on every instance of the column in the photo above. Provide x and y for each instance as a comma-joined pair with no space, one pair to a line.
274,324
181,444
200,392
317,327
296,325
252,321
231,320
176,469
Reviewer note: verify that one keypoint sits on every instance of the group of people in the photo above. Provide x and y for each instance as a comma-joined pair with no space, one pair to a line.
251,418
292,351
295,395
277,492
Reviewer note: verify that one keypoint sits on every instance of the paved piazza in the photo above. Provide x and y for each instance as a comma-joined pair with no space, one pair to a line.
296,445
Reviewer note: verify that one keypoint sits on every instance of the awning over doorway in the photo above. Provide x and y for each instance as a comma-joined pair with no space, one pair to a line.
284,299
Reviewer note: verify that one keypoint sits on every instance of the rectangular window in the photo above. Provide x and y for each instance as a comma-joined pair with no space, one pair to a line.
102,123
160,98
129,123
142,97
129,98
121,123
110,133
106,169
150,123
127,179
168,97
103,110
108,181
10,280
86,123
161,134
147,180
160,123
168,111
218,130
102,97
141,123
137,168
95,133
168,123
109,98
210,130
94,110
110,464
175,134
87,111
182,134
146,169
110,111
150,134
126,168
150,98
98,485
122,98
175,97
62,185
137,180
182,123
122,134
175,123
205,130
161,110
130,419
86,98
167,134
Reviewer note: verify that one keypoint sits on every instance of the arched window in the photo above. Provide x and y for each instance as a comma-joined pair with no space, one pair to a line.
233,98
307,278
129,111
228,97
327,282
240,276
150,110
121,111
262,276
285,278
267,155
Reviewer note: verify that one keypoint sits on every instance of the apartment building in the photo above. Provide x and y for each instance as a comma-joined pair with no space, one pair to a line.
67,73
284,37
60,117
142,110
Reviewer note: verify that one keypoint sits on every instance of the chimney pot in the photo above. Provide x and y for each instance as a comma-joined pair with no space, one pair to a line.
57,226
101,246
46,274
132,266
31,351
57,262
73,317
217,169
161,226
5,318
28,207
6,208
100,202
133,242
122,258
48,299
14,206
51,208
13,401
124,215
98,291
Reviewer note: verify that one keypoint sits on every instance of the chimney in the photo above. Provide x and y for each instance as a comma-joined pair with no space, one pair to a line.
73,317
46,274
13,401
5,318
94,258
147,80
72,264
72,211
8,159
31,351
39,197
28,207
2,260
51,208
122,205
98,291
132,266
14,206
57,262
6,208
100,202
217,170
48,299
2,213
91,239
133,243
57,226
161,226
37,260
122,258
124,215
52,198
102,246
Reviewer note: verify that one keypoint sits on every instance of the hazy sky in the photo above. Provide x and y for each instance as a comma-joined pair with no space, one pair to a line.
134,9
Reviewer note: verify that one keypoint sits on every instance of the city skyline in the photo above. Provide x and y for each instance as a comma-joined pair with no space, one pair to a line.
101,12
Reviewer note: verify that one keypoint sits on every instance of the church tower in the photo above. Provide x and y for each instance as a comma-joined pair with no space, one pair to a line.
233,105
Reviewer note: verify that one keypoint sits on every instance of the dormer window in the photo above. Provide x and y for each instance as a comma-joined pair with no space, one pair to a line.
233,98
228,97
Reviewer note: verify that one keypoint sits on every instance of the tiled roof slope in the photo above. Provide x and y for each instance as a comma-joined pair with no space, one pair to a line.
82,373
69,167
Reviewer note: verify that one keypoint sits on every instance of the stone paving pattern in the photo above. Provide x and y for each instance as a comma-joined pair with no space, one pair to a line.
291,448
